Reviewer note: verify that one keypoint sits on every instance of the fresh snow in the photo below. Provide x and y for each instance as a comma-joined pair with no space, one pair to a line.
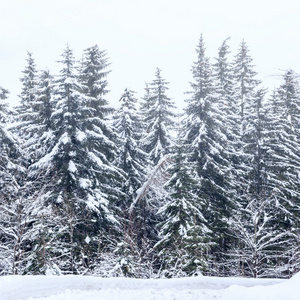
72,168
80,136
85,183
72,287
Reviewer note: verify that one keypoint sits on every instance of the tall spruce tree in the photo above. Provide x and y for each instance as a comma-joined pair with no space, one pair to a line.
226,101
7,146
282,165
40,132
260,241
98,125
93,75
159,117
226,118
183,232
205,145
245,87
28,94
27,112
14,236
245,82
81,178
131,159
134,162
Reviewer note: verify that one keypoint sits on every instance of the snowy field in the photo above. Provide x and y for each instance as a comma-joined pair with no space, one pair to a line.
200,288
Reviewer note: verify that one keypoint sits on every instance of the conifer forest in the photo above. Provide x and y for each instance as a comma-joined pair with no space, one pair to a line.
142,190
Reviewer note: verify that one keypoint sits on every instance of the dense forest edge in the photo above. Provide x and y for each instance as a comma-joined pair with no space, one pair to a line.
142,191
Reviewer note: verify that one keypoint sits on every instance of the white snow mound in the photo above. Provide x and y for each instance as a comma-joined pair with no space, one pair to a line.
78,287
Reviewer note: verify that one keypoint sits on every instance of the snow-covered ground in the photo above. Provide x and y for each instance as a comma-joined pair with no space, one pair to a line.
200,288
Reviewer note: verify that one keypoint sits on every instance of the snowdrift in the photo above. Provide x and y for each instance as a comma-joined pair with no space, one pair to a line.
205,288
288,290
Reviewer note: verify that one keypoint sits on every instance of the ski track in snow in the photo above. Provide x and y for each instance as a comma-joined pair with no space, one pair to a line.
72,287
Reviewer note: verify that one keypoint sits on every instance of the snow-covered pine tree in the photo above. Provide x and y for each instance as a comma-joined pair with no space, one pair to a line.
15,234
183,233
245,82
93,81
99,127
28,94
224,89
157,112
282,164
245,87
40,131
251,174
205,145
36,130
93,75
131,159
254,147
7,147
259,242
26,113
225,118
134,162
80,178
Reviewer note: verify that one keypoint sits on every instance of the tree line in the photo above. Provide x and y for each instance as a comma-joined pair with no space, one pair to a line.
141,191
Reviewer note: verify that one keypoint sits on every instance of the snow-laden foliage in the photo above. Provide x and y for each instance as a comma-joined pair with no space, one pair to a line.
183,233
73,170
86,189
158,114
12,235
134,162
205,143
131,158
261,248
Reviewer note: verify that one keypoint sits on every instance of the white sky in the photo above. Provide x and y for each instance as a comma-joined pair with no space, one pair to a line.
141,35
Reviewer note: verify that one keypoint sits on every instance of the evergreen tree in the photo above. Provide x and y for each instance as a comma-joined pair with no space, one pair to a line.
226,118
260,241
97,123
28,94
81,178
183,232
254,147
38,127
131,159
13,233
157,114
26,113
282,163
6,186
226,101
40,131
245,101
205,145
245,82
93,78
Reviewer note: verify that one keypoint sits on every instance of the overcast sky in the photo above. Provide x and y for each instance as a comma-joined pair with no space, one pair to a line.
141,35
